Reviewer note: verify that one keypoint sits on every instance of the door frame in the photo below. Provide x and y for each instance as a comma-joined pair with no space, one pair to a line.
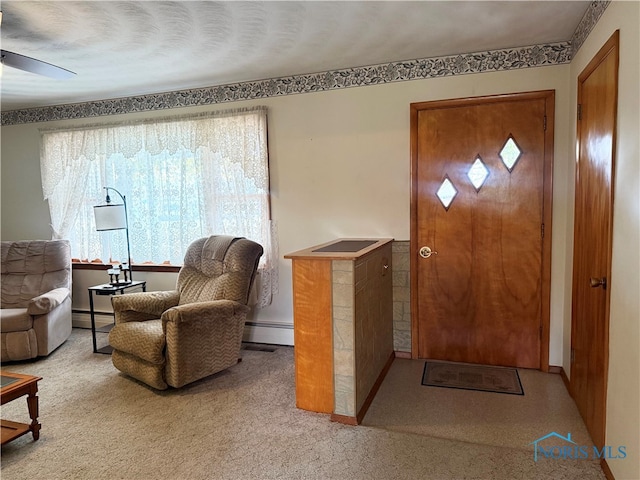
547,197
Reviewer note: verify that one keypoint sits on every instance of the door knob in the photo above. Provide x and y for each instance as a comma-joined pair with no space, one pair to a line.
426,252
598,282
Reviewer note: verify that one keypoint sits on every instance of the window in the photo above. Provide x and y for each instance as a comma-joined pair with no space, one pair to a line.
183,178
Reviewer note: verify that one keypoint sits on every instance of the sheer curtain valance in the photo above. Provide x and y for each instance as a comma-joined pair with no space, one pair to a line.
183,178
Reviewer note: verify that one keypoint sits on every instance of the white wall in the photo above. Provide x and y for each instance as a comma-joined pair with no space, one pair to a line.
339,168
623,393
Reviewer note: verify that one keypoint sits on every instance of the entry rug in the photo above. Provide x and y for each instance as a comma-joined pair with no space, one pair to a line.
472,377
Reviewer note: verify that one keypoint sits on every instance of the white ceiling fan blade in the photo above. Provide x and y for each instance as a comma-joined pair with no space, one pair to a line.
32,65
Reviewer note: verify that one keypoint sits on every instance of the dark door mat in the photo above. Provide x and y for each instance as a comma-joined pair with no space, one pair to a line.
472,377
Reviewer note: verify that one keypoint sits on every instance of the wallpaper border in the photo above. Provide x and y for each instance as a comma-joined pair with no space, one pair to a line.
589,20
419,69
495,60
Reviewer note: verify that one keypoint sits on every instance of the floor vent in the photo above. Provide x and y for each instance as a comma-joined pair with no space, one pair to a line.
257,348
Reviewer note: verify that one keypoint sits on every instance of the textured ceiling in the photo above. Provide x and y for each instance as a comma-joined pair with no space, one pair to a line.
131,48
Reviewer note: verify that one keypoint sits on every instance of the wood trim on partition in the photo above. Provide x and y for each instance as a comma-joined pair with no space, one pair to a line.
313,336
375,388
344,419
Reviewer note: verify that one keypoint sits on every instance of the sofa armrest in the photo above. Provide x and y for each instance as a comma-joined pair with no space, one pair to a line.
45,303
137,307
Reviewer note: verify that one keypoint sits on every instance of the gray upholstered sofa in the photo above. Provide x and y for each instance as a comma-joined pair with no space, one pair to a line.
35,318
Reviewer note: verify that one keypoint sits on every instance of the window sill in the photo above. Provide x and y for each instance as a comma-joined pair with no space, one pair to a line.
136,268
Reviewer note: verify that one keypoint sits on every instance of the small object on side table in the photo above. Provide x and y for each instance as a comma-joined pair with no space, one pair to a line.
113,272
116,271
109,289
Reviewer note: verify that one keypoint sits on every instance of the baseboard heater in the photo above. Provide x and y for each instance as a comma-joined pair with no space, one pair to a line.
254,332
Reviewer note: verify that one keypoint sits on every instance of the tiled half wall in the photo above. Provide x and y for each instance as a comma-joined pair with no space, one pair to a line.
401,296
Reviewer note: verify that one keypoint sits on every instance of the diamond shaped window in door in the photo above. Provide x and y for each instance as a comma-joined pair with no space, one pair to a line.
478,173
446,193
510,153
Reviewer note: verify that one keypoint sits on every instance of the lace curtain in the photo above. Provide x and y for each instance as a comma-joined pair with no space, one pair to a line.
183,178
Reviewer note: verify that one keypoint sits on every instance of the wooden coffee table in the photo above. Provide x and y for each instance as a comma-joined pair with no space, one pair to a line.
15,385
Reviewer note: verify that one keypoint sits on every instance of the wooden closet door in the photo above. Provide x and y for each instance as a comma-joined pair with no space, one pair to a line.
597,106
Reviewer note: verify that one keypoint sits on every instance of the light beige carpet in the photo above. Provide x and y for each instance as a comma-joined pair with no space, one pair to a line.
240,424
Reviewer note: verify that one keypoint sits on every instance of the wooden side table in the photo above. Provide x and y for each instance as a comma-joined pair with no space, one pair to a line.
108,289
15,385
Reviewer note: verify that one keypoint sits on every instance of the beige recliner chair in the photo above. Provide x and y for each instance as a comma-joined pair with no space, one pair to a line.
177,337
35,318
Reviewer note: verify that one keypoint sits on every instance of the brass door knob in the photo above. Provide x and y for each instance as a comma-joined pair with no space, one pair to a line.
426,252
598,282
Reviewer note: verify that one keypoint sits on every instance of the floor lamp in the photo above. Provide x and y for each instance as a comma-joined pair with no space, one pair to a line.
113,216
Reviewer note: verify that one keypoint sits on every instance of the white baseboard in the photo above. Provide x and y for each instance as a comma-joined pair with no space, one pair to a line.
273,334
83,320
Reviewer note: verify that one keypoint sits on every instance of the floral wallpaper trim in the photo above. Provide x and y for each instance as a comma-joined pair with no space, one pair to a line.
495,60
589,20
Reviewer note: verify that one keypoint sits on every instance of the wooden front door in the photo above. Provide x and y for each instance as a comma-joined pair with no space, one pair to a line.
481,203
597,104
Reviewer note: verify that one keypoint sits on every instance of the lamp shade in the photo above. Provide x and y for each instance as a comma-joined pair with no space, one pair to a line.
110,217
